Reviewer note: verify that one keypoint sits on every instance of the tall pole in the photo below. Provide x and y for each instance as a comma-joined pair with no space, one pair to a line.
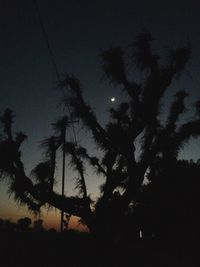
63,179
63,174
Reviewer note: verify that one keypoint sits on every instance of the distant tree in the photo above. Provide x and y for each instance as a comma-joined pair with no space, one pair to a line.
134,122
66,221
38,225
51,231
7,226
24,224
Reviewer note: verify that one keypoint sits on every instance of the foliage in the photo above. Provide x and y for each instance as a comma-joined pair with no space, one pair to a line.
123,192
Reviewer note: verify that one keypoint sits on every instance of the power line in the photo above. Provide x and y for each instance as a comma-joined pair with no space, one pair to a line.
54,64
46,38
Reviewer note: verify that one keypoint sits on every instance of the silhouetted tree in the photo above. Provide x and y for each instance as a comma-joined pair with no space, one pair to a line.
169,204
38,225
136,119
7,226
24,224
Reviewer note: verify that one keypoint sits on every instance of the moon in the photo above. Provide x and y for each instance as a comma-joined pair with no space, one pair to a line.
112,99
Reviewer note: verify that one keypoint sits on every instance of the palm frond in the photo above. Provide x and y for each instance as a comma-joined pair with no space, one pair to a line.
19,188
94,161
186,131
50,144
143,57
20,137
109,159
78,186
76,161
176,109
113,65
7,121
179,57
61,124
83,111
121,114
41,172
70,81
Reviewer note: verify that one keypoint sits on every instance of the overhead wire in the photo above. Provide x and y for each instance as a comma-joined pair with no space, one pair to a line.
54,64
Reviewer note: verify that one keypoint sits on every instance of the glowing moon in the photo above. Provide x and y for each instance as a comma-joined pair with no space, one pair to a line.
112,99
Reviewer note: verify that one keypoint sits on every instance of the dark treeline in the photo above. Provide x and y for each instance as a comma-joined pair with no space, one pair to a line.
148,209
22,225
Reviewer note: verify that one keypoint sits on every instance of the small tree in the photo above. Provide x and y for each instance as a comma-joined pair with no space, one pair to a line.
24,224
139,117
38,225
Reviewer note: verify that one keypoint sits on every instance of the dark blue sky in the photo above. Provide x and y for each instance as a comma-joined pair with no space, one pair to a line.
77,31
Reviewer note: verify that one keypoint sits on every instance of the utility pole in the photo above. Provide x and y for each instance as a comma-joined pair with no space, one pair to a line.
63,179
63,174
53,61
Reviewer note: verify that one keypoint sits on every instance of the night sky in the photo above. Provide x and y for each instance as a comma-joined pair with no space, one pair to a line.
78,31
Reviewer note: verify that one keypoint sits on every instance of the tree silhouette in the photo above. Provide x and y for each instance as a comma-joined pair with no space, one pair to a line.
38,225
139,118
7,226
23,224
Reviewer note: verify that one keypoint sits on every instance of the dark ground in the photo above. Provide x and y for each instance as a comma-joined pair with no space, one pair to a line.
77,250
